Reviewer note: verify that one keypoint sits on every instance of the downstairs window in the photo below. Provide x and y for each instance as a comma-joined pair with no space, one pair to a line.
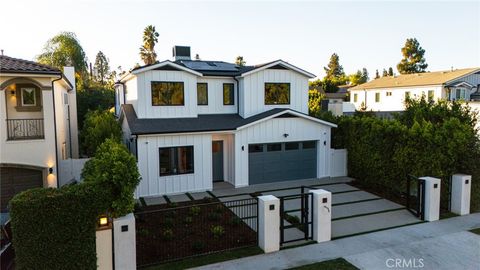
176,160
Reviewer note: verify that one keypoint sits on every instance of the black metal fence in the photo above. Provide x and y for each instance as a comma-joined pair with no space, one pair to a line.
296,217
415,196
25,129
195,228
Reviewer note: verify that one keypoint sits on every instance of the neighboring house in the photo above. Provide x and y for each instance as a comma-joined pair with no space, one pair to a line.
38,130
388,94
191,123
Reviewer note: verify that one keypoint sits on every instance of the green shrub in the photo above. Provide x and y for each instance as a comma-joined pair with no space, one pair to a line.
167,234
214,216
198,245
194,210
98,127
217,231
55,228
188,220
115,170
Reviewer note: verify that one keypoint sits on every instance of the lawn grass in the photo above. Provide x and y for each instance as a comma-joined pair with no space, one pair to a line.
207,259
477,231
336,264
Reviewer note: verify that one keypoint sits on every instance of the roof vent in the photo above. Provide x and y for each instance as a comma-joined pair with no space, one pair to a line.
181,53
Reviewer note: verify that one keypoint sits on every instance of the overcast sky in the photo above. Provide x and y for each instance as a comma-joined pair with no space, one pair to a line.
363,34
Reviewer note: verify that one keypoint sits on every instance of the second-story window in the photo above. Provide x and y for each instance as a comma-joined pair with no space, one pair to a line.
355,97
377,97
228,94
277,93
202,93
167,94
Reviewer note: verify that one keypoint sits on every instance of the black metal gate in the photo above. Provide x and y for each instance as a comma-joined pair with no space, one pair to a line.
296,217
416,196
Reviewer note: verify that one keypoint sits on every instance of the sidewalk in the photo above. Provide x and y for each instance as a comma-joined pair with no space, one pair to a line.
443,244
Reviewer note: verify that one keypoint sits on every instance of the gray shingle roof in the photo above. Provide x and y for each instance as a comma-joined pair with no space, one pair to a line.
14,65
203,123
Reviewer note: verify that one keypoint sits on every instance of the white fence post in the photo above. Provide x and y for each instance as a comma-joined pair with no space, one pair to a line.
322,215
104,248
124,243
460,197
432,198
269,223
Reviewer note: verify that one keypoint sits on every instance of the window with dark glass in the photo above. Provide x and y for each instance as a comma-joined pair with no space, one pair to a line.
167,94
255,148
202,93
274,147
377,97
308,145
176,160
431,95
228,96
277,93
291,146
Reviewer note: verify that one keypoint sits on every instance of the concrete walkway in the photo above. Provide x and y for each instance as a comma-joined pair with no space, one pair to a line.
443,244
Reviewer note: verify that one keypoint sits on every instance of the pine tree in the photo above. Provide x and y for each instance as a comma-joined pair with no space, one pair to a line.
365,77
239,61
101,68
377,75
385,73
334,70
413,58
390,71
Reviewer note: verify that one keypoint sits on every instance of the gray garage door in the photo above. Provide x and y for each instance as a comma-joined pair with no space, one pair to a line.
275,162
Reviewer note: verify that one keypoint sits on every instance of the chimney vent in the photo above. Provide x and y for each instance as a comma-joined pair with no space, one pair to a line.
181,53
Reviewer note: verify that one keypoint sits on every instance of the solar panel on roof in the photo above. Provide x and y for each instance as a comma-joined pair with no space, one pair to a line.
210,65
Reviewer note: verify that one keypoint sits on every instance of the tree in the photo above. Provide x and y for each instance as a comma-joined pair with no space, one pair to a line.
239,61
147,51
359,77
390,72
63,50
385,73
116,171
315,102
98,127
334,70
413,58
377,75
101,68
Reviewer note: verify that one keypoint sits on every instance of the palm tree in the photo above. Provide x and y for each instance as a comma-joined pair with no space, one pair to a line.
147,51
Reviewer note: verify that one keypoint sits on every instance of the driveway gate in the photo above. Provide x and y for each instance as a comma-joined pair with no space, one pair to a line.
416,196
296,218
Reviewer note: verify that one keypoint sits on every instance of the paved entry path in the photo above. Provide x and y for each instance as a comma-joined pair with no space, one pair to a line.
444,244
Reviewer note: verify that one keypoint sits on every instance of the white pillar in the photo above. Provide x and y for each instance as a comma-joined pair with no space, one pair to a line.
460,197
269,223
124,243
104,249
322,215
432,198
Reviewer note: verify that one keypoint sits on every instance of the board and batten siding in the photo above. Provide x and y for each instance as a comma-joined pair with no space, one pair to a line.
215,96
145,108
148,164
252,89
273,130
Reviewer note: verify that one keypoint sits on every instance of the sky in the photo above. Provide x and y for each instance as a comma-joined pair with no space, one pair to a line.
364,34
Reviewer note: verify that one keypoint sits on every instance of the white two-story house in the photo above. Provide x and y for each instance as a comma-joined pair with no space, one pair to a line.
388,94
38,125
191,123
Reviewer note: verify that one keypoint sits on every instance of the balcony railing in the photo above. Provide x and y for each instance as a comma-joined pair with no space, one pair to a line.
25,129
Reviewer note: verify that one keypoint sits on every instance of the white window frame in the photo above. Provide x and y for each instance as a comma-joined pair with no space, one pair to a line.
34,97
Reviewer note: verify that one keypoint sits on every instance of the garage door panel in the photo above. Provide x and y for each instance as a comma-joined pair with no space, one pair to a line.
14,180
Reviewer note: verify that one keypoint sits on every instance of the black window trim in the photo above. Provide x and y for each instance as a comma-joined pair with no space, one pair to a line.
289,93
173,174
233,93
207,94
167,105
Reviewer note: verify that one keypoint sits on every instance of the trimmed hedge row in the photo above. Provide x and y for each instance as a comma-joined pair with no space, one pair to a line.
55,228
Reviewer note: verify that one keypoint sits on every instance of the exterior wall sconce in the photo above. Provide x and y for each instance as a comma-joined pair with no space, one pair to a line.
50,170
285,135
243,148
103,222
12,92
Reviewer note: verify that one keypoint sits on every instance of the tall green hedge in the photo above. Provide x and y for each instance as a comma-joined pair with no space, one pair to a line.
429,139
55,228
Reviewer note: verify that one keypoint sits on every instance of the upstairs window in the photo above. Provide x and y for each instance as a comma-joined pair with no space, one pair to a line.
431,95
29,97
228,94
389,94
202,93
277,93
355,97
176,160
377,97
167,94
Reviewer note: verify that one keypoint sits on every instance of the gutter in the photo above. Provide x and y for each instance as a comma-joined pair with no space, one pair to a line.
55,130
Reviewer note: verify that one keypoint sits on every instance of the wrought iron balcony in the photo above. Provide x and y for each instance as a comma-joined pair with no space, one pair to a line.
25,129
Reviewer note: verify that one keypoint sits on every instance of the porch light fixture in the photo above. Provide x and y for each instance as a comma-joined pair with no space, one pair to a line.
50,170
285,135
12,92
103,221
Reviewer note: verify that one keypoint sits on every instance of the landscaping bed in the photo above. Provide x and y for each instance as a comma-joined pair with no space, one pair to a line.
174,231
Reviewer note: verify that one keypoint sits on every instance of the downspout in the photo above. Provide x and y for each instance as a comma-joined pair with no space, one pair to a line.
238,95
55,129
365,98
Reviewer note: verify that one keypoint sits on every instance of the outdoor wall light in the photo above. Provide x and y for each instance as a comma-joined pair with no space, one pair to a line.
12,92
50,170
243,148
285,135
103,221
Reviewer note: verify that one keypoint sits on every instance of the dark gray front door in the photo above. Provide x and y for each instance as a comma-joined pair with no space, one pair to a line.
275,162
217,160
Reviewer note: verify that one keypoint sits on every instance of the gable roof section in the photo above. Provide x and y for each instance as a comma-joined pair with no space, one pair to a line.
164,64
278,63
15,65
417,79
202,123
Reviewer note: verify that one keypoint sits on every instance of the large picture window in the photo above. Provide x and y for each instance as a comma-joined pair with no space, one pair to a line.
167,94
202,93
176,160
277,93
228,97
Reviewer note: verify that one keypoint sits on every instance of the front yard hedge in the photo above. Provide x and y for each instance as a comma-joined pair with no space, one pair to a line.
55,228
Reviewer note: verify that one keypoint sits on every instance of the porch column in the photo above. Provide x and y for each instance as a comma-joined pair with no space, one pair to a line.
125,254
460,197
322,215
269,223
432,198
